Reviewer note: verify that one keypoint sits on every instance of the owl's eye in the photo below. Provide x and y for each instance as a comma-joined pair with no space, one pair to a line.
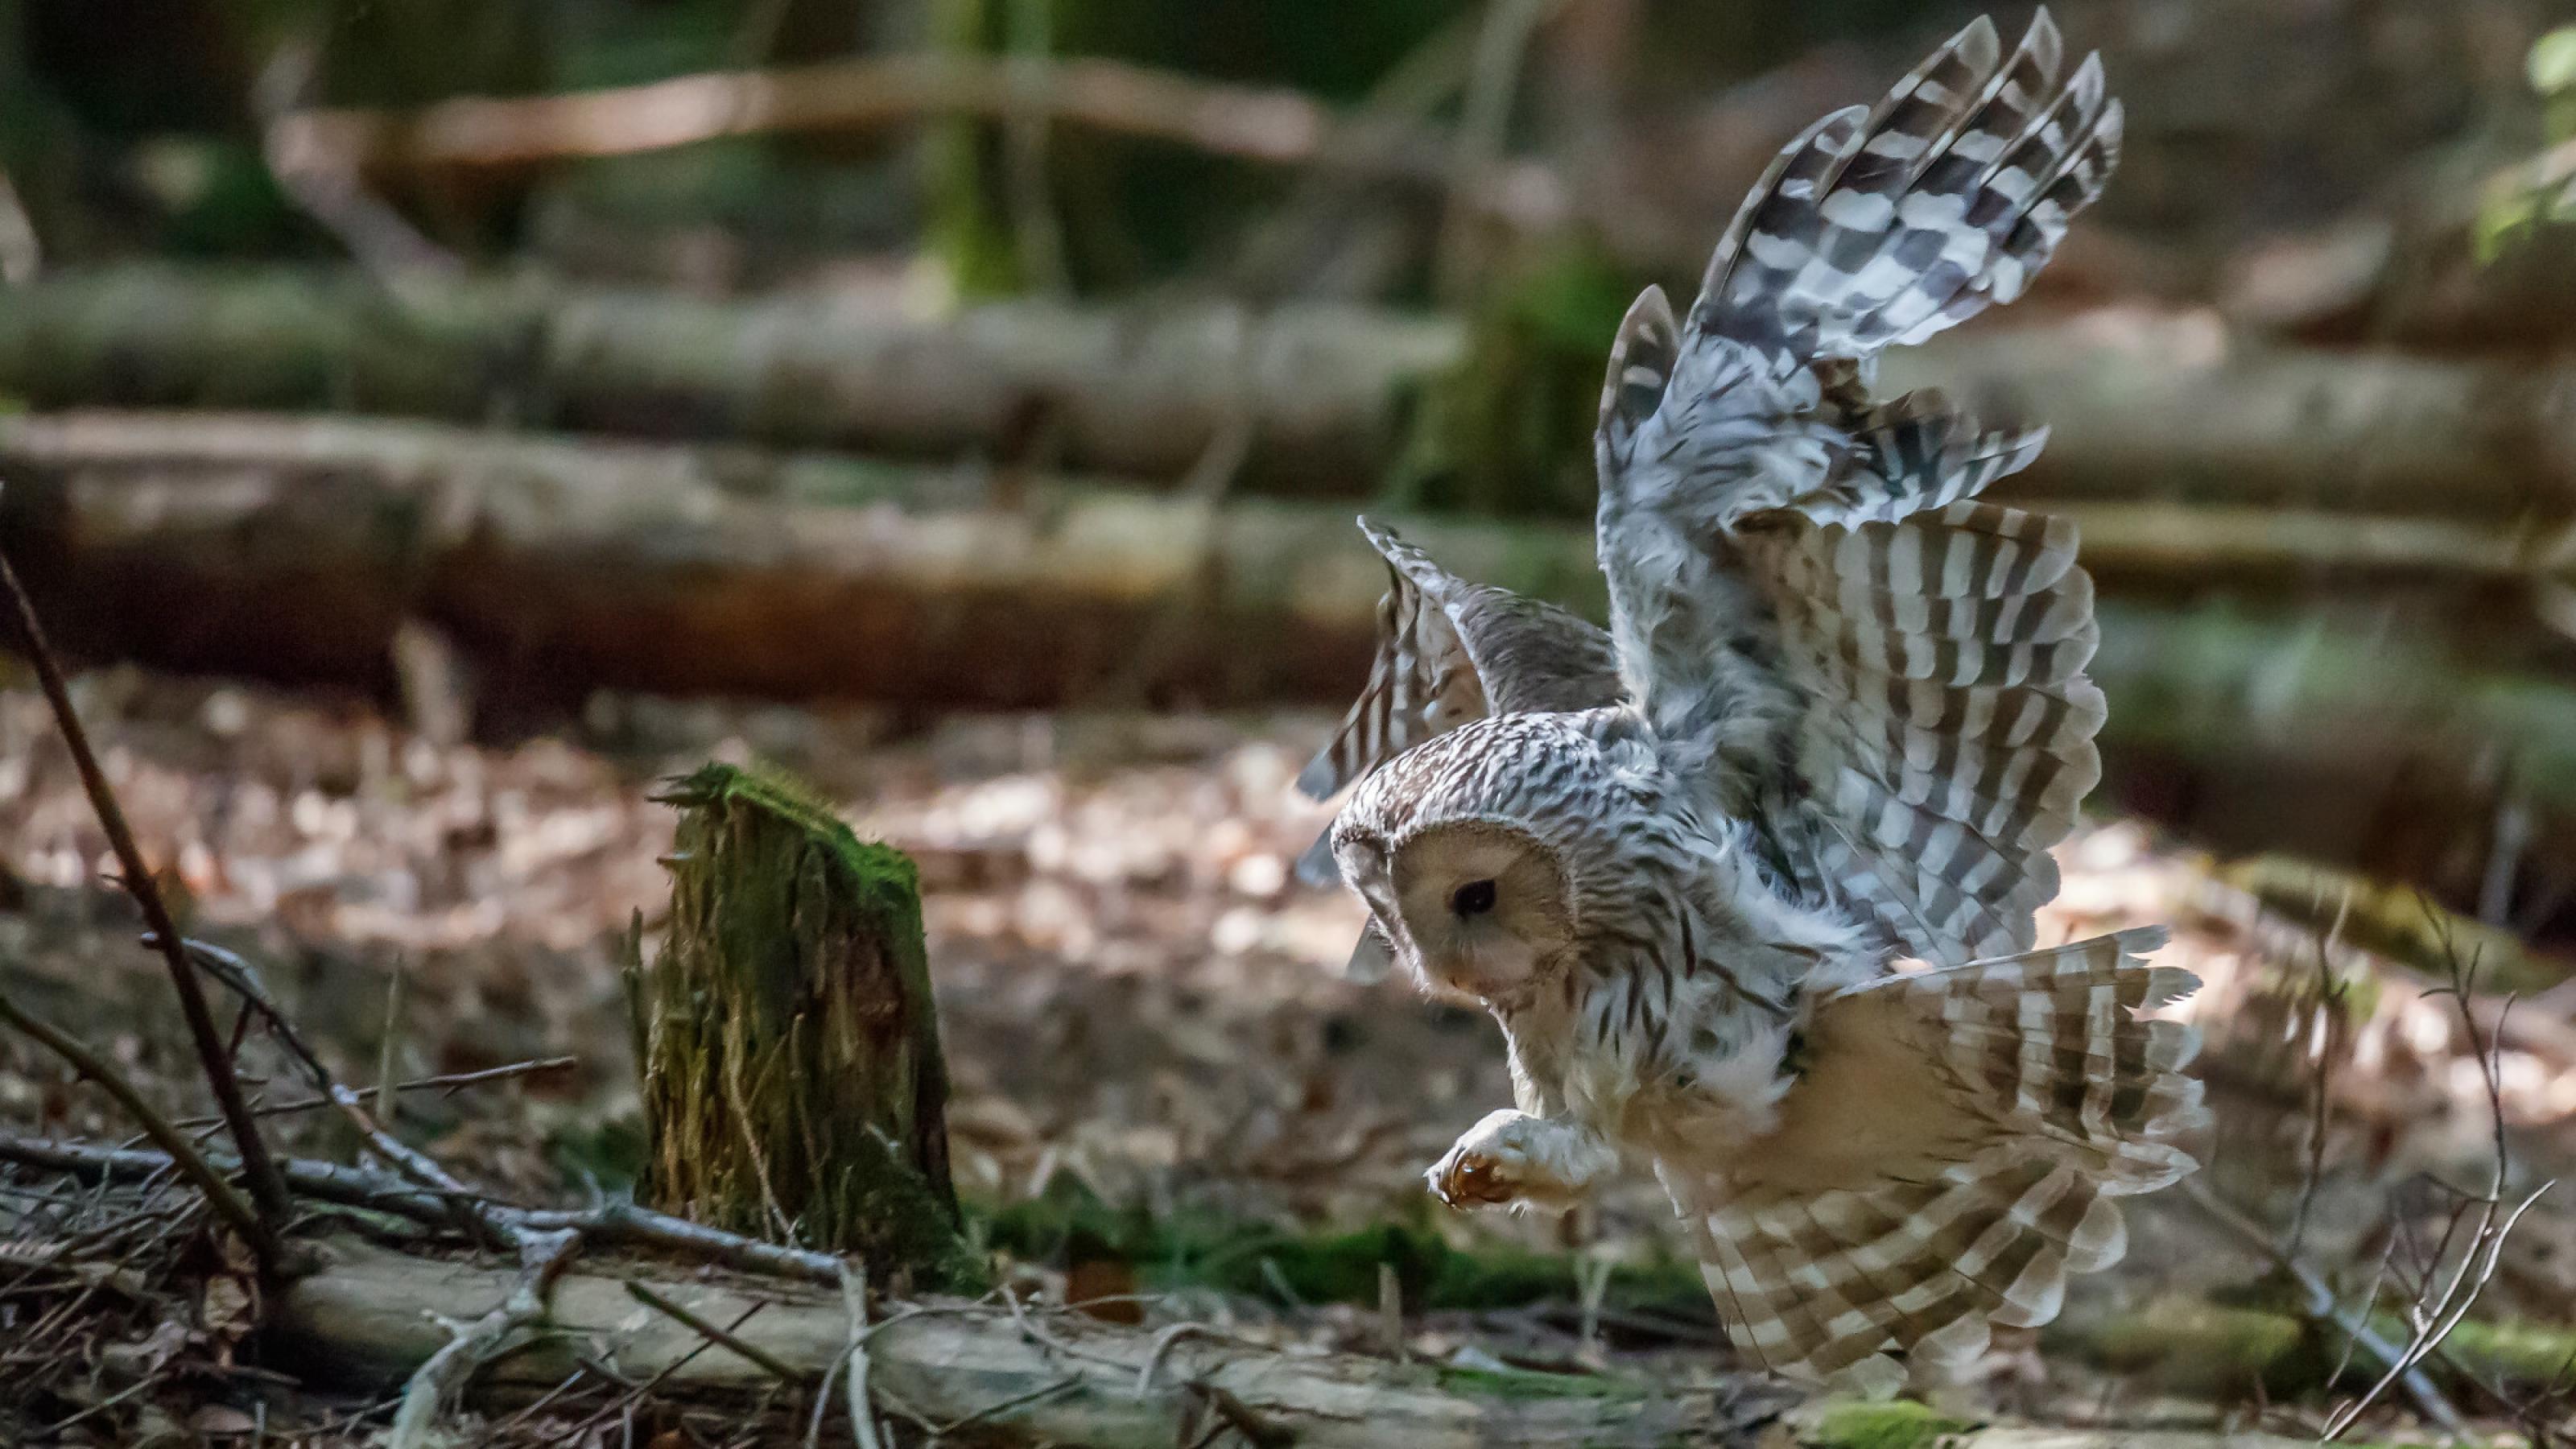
1473,899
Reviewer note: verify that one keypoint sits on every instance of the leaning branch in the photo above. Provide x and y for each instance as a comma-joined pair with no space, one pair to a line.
1267,124
267,1188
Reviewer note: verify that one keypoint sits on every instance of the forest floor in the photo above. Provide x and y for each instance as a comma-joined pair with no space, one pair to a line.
1161,1082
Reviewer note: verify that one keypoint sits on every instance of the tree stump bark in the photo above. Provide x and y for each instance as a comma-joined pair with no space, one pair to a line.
786,1038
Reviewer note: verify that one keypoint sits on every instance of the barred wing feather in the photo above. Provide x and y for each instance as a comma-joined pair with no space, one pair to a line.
1887,673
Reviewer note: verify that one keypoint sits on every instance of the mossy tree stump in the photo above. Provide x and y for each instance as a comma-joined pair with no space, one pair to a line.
786,1038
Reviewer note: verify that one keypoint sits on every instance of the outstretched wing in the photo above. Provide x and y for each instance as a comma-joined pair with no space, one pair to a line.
1450,651
1883,676
1952,1157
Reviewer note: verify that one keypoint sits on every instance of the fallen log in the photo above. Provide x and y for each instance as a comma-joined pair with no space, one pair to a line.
1019,1377
1321,389
2198,1349
365,1317
1317,399
2178,407
304,549
295,547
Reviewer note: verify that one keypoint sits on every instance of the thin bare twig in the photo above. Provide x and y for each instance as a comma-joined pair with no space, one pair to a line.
1258,123
328,185
1036,233
1164,1343
863,1415
2439,1310
1016,1401
419,1166
470,1345
446,1082
636,1393
752,1353
229,1204
2358,1334
389,1051
622,1224
1239,1416
268,1193
22,255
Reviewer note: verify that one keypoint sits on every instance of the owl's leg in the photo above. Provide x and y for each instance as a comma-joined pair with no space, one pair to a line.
1512,1158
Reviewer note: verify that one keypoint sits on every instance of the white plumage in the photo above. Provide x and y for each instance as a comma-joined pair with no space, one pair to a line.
1838,718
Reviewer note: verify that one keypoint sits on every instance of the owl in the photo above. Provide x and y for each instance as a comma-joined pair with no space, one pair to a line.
1748,879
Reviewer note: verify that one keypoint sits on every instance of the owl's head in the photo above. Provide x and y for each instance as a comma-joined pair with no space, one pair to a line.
1470,852
1473,905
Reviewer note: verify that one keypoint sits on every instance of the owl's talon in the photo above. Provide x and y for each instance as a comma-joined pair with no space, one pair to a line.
1491,1166
1464,1180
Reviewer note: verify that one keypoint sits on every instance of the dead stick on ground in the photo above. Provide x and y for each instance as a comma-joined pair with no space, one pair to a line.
267,1188
863,1413
541,1257
768,1362
609,1223
229,1204
412,1163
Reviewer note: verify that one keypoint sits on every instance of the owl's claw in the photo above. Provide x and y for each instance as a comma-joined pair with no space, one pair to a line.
1499,1162
1465,1179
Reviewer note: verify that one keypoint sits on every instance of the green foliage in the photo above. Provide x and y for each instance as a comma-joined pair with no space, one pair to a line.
216,197
2511,1352
1210,1250
1509,430
2539,194
1893,1425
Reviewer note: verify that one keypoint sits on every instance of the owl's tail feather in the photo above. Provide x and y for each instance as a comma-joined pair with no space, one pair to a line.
2072,1100
2048,1041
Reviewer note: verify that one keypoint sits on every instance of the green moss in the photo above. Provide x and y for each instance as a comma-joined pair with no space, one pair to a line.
2532,1354
1894,1425
611,1153
1521,1385
2188,1346
791,1071
1206,1250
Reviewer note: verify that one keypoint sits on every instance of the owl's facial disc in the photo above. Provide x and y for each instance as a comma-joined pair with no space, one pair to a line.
1480,907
